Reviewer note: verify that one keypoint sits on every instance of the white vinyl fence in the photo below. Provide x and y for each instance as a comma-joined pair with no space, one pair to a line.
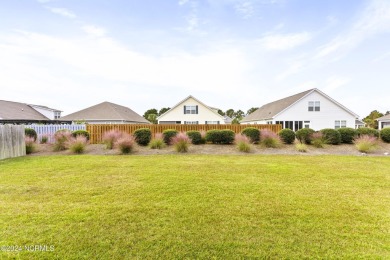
12,142
49,130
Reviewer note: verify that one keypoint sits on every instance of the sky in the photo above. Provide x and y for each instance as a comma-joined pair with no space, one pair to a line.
72,54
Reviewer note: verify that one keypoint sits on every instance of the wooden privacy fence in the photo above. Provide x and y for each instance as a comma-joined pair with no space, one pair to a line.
96,131
12,142
49,130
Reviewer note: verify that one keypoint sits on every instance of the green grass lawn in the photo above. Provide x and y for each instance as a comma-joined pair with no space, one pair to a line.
196,206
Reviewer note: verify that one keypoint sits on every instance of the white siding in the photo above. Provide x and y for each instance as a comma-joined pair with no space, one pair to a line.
47,113
318,119
204,114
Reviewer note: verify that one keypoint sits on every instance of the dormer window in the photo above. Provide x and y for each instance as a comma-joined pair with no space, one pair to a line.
314,106
190,109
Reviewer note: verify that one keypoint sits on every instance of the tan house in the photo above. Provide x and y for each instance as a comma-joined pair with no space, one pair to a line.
106,113
192,111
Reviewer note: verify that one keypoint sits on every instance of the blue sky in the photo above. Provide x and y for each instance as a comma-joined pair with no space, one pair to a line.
71,54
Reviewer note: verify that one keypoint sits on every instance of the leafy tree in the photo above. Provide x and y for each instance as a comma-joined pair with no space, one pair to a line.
251,110
239,114
152,118
235,121
163,110
370,120
148,112
230,113
221,112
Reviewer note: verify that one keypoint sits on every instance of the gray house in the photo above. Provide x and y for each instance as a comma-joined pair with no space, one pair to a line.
106,113
383,121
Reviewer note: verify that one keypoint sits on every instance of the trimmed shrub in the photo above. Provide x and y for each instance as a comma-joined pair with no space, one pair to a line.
125,143
181,141
157,142
62,139
196,137
227,136
143,136
110,137
331,136
31,133
78,144
367,131
301,147
81,132
30,144
318,140
269,139
347,135
213,136
168,134
366,143
242,142
385,135
287,135
252,133
304,135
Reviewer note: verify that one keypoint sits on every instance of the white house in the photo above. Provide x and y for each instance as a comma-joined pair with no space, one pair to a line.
192,111
309,109
383,122
52,114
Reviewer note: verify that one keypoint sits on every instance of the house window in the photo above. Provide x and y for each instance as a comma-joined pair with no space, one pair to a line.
306,124
297,125
191,122
57,115
269,122
190,109
289,124
340,124
212,122
280,123
314,106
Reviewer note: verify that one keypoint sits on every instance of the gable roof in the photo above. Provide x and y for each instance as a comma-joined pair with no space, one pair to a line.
45,107
212,109
383,118
272,109
10,110
106,111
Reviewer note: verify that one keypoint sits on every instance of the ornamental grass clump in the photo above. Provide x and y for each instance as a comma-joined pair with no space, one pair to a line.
243,143
62,140
157,142
181,142
44,139
252,133
270,139
110,137
30,144
318,140
77,144
366,143
203,136
301,147
125,143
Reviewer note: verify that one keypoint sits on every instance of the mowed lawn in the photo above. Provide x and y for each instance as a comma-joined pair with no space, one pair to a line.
196,206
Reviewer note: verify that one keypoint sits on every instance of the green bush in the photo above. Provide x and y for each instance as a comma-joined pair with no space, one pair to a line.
331,136
318,140
31,133
287,135
196,137
367,131
168,134
347,135
385,135
143,136
220,136
30,144
252,133
304,135
81,132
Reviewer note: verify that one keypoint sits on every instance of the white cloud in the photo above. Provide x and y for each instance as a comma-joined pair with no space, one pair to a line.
94,30
62,11
284,41
374,19
245,9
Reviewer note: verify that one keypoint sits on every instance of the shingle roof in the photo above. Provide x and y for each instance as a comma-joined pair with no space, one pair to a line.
386,117
271,109
10,110
106,111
